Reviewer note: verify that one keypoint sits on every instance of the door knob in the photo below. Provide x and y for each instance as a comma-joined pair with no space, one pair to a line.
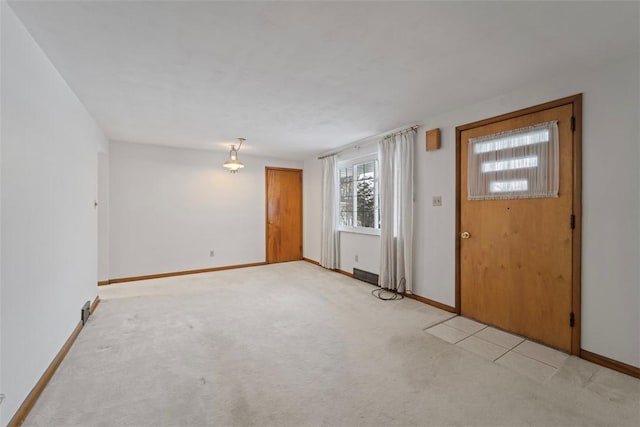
465,235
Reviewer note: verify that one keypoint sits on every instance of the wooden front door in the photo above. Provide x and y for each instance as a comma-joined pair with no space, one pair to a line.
284,214
516,256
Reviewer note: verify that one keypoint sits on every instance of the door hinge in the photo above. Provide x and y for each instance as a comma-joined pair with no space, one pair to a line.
572,221
573,123
572,319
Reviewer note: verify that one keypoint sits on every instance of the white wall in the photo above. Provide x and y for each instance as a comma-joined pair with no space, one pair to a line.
2,8
610,248
364,246
611,254
103,216
170,207
48,221
611,205
312,202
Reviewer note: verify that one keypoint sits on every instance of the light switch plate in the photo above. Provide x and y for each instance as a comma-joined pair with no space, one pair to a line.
437,201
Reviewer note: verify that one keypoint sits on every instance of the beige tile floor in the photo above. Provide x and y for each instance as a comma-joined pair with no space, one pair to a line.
525,357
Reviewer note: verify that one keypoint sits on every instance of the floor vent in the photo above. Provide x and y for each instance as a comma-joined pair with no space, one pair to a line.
85,312
365,276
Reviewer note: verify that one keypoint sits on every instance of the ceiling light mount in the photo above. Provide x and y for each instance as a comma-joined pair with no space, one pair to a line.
233,164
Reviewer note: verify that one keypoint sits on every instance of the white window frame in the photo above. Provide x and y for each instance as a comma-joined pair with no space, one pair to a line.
351,163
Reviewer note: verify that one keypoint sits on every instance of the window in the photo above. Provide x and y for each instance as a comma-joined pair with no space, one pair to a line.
520,163
359,200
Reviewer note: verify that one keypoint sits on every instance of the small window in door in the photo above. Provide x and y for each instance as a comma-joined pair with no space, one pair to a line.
521,163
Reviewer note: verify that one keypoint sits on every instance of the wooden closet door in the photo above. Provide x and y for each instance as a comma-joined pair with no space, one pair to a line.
284,214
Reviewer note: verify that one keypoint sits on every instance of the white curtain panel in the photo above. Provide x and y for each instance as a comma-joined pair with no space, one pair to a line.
395,154
330,240
520,163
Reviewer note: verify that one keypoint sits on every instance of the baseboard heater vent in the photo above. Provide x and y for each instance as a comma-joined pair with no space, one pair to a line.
85,312
365,276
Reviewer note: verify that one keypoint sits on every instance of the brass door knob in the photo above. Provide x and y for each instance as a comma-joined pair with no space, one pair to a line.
465,235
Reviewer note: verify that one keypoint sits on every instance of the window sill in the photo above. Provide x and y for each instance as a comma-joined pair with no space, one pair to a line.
360,230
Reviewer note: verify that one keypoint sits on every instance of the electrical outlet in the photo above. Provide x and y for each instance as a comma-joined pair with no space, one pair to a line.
212,253
356,258
436,201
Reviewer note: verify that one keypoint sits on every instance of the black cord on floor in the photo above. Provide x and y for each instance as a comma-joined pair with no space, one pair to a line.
389,294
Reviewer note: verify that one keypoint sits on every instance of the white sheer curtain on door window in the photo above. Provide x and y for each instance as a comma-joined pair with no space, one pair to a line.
395,154
329,239
516,164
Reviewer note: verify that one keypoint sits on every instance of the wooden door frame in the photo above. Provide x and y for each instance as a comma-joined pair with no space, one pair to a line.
266,208
576,102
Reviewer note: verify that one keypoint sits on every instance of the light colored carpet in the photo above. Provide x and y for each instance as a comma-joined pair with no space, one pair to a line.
295,345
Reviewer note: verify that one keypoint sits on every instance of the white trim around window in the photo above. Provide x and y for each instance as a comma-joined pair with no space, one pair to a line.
350,164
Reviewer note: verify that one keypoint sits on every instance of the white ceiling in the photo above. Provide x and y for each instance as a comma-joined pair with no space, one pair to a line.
301,78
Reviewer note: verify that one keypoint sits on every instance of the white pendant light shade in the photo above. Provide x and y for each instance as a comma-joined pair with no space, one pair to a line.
233,164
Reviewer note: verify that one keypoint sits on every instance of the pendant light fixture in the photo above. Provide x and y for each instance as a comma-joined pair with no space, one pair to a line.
233,164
